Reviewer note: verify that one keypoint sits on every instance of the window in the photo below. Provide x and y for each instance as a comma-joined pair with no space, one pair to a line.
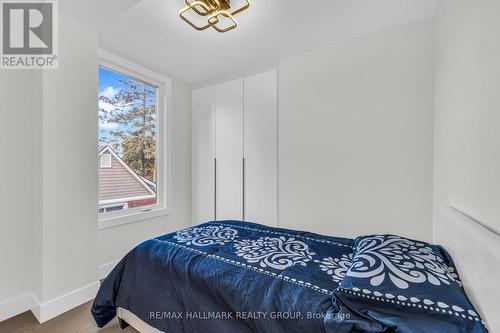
106,161
113,208
133,170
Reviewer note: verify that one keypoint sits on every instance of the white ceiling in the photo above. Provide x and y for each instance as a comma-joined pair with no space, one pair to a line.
150,32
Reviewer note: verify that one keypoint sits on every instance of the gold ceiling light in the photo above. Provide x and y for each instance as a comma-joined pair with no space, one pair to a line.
218,13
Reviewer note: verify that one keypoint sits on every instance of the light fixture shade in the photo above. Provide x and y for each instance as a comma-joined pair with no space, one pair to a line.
217,13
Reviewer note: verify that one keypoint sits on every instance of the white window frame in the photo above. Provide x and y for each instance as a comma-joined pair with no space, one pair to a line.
104,166
163,149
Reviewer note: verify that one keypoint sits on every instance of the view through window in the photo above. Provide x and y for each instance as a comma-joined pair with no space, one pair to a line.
128,142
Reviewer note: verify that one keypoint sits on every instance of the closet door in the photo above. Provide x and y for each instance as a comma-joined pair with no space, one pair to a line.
203,155
261,149
229,151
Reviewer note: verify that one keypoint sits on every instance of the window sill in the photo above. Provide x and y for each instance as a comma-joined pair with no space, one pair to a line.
116,221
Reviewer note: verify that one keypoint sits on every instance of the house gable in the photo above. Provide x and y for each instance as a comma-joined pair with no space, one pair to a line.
118,182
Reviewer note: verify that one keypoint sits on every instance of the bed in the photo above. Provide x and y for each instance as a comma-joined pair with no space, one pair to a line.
237,276
476,251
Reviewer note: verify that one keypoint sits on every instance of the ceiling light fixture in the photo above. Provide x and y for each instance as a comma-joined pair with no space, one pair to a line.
219,14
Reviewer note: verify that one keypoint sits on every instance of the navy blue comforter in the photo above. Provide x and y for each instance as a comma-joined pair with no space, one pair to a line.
229,277
238,277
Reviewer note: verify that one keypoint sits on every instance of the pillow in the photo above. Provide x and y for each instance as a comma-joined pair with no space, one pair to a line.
409,283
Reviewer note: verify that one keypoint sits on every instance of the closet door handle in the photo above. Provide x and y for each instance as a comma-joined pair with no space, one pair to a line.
215,189
244,190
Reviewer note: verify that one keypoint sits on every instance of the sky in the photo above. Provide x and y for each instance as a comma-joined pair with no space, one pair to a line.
109,86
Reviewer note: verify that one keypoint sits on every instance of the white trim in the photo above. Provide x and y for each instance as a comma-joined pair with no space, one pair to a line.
133,215
164,146
51,309
125,200
147,181
107,165
16,306
104,270
113,207
115,204
120,63
132,172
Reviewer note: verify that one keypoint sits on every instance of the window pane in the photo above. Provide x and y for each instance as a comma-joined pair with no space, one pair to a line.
128,142
106,160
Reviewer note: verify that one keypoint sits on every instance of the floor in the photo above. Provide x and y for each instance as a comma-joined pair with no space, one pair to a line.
78,320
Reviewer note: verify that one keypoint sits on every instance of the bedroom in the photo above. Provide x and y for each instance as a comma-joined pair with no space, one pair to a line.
328,124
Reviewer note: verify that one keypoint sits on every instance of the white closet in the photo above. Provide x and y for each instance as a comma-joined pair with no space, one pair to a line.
235,151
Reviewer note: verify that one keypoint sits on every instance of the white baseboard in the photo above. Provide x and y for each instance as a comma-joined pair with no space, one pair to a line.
104,270
46,311
16,306
51,309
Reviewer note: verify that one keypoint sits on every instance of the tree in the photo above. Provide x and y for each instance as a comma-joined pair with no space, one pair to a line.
134,111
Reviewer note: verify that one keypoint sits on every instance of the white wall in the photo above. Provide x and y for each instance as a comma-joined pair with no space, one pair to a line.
467,108
355,136
49,242
18,104
73,247
69,143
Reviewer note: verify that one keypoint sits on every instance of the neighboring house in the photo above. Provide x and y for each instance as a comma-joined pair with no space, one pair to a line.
120,187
